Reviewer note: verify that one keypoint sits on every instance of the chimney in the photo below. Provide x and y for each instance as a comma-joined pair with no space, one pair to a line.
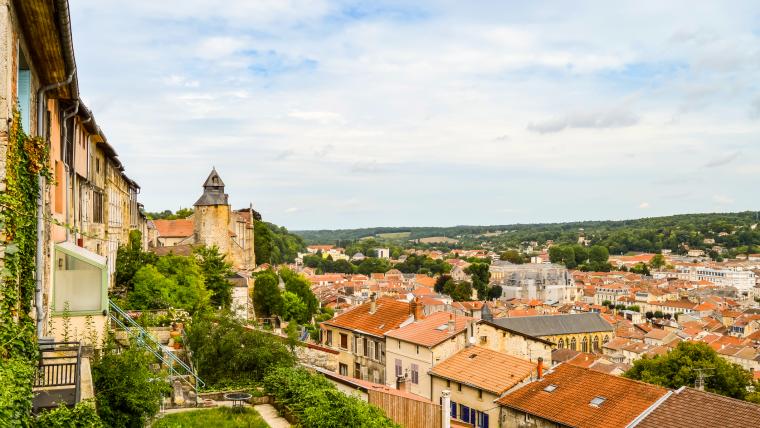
401,383
470,339
372,303
451,323
540,368
416,309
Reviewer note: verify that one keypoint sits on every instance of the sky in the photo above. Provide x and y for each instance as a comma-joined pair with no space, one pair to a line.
342,114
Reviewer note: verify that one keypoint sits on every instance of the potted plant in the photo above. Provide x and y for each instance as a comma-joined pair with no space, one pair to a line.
178,342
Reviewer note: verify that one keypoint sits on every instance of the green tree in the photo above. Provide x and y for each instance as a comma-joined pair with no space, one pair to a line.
680,367
598,254
657,262
301,287
128,392
641,269
495,292
480,275
460,291
512,256
175,281
228,354
293,308
129,259
216,272
266,294
440,282
372,265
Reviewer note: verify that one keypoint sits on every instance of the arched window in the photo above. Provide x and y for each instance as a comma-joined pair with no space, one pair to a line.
596,343
561,344
573,344
606,339
584,345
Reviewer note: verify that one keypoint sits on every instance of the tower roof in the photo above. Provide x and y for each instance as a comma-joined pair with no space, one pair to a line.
213,191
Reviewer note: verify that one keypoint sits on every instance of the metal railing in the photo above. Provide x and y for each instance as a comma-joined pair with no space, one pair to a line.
60,364
148,342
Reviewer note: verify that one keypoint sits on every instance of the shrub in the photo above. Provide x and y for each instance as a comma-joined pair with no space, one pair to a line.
317,403
225,353
83,415
15,390
127,390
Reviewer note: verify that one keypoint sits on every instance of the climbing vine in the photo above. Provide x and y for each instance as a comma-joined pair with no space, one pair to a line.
25,157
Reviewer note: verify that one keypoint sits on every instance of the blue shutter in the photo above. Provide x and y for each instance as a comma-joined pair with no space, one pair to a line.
465,413
453,410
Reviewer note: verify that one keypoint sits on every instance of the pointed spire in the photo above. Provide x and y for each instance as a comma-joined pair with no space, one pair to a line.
213,191
485,313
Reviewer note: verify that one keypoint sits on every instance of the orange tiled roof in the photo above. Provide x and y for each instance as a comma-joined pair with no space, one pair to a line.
570,402
485,369
390,313
431,330
179,228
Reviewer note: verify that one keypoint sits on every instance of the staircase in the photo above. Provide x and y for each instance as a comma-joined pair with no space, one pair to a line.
179,372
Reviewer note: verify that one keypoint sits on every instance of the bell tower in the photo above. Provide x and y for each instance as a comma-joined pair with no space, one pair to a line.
212,214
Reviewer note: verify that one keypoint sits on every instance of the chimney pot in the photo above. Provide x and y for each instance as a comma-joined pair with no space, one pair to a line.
451,324
372,304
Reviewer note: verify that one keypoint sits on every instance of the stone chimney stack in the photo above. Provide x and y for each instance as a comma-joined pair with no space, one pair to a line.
451,323
415,309
373,303
401,383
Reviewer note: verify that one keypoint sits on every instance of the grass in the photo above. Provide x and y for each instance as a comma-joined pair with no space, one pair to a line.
394,235
219,417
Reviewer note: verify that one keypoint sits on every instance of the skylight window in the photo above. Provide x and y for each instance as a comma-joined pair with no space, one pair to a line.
442,327
550,388
597,401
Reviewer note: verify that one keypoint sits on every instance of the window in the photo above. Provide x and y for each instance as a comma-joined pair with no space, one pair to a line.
24,92
584,345
399,344
597,401
483,340
79,280
561,344
398,368
453,410
550,388
573,344
464,413
415,374
448,383
482,420
418,349
328,340
97,206
343,369
379,354
59,187
371,350
344,340
97,165
596,343
606,339
357,370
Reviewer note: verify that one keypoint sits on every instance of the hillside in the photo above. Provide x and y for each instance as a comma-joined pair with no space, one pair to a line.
733,231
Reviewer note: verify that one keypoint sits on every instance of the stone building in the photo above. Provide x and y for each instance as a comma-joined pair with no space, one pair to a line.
585,332
214,222
545,282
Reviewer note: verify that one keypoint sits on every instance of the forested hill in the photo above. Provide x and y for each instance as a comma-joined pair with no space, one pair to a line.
732,230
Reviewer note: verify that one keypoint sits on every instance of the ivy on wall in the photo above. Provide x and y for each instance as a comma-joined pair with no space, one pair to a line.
26,157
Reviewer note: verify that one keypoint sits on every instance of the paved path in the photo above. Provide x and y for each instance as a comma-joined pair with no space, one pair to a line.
271,417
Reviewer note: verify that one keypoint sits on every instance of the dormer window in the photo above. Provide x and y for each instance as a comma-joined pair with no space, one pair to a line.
597,401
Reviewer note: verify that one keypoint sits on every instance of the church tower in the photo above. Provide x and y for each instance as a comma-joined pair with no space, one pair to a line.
212,215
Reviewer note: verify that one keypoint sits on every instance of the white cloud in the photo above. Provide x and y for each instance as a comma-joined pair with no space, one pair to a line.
615,118
292,210
644,205
723,199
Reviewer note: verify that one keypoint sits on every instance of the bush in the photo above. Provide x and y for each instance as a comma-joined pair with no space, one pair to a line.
174,281
227,354
16,390
220,417
128,392
317,403
83,415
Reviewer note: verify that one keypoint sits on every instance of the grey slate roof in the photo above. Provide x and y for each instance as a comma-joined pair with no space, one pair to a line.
213,191
550,325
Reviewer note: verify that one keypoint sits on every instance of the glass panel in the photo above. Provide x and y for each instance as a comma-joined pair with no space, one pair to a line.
77,282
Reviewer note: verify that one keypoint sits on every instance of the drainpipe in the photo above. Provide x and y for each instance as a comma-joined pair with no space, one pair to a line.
69,169
42,132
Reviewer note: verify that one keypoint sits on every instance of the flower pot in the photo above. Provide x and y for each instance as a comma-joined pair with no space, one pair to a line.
174,334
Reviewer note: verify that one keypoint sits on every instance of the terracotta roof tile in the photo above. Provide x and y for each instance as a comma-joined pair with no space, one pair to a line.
431,330
485,369
570,401
389,315
174,228
688,407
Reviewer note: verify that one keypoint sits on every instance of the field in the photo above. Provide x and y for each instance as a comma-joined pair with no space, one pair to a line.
394,235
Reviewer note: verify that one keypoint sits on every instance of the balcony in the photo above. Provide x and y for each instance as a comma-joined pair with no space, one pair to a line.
58,379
